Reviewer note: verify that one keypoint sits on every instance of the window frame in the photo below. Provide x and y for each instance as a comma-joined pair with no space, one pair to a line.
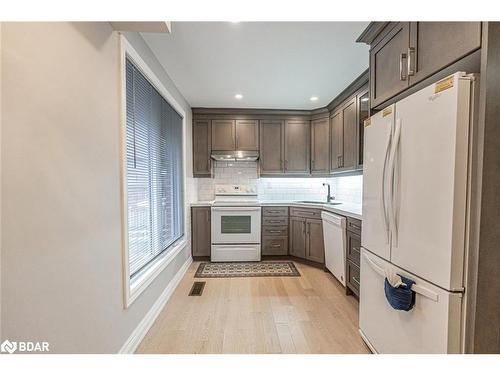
134,287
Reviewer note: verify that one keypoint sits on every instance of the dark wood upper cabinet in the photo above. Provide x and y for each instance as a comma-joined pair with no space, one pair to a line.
271,147
320,146
350,138
202,135
247,135
297,235
434,45
405,53
337,140
297,141
363,113
200,231
388,64
315,248
223,135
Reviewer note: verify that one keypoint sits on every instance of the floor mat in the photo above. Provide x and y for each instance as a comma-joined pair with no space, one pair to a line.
246,269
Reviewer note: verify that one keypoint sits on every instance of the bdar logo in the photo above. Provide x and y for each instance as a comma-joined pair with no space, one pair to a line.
8,347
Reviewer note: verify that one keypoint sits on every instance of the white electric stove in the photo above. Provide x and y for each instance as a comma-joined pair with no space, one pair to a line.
236,217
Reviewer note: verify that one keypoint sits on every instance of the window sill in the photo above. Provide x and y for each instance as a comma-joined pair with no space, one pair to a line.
143,279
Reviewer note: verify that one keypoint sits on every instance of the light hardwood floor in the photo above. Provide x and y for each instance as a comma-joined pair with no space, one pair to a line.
307,314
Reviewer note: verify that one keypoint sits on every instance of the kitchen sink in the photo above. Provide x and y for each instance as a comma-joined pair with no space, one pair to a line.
319,202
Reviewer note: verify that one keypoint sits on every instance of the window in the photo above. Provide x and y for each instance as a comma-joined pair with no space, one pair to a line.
154,172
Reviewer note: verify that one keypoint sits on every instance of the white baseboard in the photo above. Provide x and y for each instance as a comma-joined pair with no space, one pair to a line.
143,327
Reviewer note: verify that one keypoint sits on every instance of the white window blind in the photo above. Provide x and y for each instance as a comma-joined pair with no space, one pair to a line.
154,171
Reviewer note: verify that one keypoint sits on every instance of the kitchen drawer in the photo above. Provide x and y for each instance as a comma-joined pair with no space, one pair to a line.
305,212
273,231
274,245
282,221
353,247
354,225
352,277
274,211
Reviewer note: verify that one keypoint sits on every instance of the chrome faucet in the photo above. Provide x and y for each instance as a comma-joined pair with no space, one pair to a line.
329,197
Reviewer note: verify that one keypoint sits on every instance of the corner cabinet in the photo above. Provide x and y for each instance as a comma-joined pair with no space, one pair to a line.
306,234
405,53
320,146
202,147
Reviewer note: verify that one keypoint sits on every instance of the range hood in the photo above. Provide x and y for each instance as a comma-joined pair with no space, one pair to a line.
235,155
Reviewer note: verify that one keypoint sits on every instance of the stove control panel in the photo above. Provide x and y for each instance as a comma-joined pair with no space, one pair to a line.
235,190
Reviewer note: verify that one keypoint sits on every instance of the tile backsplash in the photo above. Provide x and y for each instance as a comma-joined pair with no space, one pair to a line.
345,188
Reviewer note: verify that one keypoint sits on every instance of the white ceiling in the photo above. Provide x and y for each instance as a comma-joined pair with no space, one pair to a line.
272,64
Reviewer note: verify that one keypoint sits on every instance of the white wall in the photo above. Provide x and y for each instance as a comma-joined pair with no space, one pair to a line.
61,246
344,188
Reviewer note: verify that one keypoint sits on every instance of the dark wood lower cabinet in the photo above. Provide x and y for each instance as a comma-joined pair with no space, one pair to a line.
315,248
306,235
274,231
298,237
200,231
352,278
353,252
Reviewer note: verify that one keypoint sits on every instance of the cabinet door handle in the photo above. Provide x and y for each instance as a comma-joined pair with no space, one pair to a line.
355,280
356,249
402,56
411,61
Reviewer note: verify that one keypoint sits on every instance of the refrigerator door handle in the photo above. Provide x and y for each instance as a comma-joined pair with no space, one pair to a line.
415,287
394,182
383,188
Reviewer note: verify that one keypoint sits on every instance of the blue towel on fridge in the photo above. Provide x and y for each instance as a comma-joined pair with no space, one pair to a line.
401,297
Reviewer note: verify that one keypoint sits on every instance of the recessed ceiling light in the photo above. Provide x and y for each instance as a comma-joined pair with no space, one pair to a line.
238,96
314,98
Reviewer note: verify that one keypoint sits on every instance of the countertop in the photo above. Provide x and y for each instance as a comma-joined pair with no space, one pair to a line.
342,208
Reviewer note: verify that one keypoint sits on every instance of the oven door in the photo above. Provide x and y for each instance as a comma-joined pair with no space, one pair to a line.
236,225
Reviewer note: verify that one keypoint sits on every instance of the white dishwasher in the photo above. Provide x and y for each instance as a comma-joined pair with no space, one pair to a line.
335,244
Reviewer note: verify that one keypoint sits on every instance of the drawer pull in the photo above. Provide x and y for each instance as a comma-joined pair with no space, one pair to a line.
274,231
355,280
274,221
274,211
275,245
354,226
356,249
307,213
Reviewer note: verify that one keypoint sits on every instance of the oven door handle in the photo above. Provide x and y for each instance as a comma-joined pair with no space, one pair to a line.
236,208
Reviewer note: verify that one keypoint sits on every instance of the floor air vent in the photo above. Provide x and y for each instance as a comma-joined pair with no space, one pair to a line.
197,288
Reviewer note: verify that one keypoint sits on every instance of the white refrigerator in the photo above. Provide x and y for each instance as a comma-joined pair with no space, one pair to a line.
415,186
